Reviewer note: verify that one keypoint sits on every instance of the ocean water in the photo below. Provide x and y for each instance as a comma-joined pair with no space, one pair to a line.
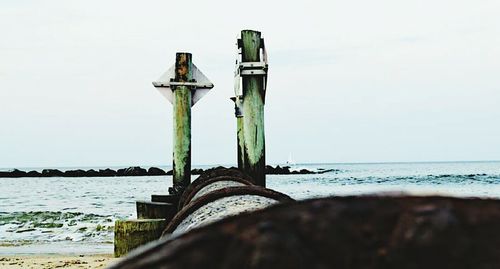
76,215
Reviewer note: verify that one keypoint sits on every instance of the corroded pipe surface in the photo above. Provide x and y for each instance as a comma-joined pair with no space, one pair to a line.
214,184
211,173
221,204
340,232
217,194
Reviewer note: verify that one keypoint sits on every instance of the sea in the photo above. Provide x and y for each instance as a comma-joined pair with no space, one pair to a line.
54,215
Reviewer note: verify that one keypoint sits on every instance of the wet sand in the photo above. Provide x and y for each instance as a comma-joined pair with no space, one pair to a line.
56,261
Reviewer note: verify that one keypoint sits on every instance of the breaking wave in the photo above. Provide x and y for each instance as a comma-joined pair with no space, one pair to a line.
21,228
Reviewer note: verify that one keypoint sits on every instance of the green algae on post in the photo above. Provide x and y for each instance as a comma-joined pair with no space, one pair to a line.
130,234
253,155
182,123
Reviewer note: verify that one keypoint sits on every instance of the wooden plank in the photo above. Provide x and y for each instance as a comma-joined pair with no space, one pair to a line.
155,210
165,198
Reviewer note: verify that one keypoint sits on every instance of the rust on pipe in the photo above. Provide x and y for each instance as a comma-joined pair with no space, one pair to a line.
221,193
218,194
340,232
207,174
211,181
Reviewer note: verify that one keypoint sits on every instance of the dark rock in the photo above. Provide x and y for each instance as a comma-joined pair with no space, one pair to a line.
121,172
138,171
135,171
52,173
305,171
285,170
18,173
91,173
278,170
322,171
155,171
75,173
107,172
170,172
282,170
33,174
13,173
270,170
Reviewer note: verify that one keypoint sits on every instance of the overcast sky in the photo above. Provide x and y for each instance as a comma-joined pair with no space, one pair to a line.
349,81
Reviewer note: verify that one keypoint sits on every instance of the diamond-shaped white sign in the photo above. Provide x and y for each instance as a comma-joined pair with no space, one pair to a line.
202,85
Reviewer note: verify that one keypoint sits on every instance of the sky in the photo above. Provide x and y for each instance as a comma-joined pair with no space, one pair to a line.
349,81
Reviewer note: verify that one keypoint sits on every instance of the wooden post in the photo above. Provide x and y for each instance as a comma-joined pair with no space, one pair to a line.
182,123
238,107
130,234
253,154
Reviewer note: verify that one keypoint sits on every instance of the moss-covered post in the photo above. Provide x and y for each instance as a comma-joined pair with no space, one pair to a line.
183,85
131,234
254,157
182,123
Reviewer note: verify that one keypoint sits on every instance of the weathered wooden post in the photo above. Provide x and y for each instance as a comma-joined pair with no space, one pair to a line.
251,74
182,123
183,85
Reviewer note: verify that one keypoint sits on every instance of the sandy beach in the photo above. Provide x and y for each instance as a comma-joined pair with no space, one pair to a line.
57,261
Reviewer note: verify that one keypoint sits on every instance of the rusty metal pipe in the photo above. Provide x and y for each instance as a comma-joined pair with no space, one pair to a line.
340,232
219,194
210,173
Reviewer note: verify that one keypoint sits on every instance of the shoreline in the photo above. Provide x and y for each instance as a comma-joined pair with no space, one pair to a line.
49,261
56,248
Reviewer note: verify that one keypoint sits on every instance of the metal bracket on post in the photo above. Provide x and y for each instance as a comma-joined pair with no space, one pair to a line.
200,85
250,68
238,106
193,85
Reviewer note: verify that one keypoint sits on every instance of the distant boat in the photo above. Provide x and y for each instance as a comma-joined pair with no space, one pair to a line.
290,161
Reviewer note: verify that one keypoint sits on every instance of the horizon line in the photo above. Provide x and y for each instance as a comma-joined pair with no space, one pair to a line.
234,164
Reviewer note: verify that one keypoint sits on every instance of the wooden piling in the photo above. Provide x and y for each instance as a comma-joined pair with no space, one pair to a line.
182,123
253,155
130,234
